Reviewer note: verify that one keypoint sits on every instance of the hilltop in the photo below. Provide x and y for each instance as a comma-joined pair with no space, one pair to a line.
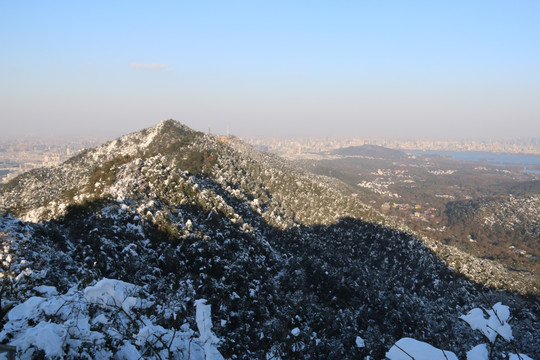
291,267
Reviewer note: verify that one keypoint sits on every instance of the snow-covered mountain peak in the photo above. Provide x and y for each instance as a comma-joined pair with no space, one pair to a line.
140,141
129,144
46,192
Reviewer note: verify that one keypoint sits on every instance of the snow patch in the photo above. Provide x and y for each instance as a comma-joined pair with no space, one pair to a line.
46,290
26,310
520,357
495,324
112,293
479,352
406,348
48,337
206,336
78,324
360,342
127,352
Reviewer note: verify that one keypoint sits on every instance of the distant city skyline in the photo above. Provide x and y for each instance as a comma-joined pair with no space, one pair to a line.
22,154
417,69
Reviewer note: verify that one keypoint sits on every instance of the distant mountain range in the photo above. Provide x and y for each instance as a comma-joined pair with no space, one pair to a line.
371,151
292,268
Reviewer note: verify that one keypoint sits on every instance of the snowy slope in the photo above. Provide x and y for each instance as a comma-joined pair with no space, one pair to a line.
291,267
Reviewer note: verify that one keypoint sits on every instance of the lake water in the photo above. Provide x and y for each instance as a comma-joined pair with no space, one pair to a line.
528,162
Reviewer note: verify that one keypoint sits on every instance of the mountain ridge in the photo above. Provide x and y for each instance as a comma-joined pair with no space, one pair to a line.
95,170
276,248
371,151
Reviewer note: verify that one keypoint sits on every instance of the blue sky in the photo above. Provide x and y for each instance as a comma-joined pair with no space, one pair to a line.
438,69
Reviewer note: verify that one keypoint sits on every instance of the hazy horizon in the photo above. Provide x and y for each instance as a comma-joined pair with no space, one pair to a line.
104,137
426,70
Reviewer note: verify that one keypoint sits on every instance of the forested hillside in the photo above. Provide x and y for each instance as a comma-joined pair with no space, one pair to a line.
291,267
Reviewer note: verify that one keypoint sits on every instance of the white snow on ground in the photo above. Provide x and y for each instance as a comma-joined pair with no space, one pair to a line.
128,144
26,310
495,324
406,348
520,357
79,323
360,342
204,322
127,352
479,352
46,290
112,293
206,336
45,336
